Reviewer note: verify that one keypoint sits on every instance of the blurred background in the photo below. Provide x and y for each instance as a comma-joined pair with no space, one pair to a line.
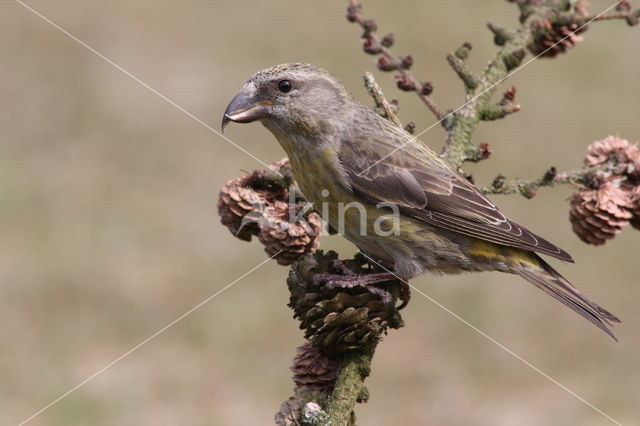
109,231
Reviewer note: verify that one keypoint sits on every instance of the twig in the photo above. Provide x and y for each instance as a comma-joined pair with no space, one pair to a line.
529,187
387,111
387,61
457,62
547,27
630,16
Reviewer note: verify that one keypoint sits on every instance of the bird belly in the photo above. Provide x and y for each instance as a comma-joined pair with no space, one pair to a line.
415,249
407,246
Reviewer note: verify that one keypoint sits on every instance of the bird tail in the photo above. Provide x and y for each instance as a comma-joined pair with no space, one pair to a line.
547,279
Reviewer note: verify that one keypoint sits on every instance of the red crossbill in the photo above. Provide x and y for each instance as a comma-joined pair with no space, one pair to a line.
342,153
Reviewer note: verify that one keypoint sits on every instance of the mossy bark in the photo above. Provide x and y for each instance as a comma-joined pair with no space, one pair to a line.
349,388
462,123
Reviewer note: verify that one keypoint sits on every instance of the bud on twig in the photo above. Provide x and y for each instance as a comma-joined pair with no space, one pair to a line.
426,88
407,62
371,47
500,35
514,59
484,151
509,95
623,6
550,175
633,19
386,64
388,40
410,127
405,83
353,13
369,25
463,51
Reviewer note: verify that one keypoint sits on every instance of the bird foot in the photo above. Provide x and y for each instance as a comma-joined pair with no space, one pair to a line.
350,280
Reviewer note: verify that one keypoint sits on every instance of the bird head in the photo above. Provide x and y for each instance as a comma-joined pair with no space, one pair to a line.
298,98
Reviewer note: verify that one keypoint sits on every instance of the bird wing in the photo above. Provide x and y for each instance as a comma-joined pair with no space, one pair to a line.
428,189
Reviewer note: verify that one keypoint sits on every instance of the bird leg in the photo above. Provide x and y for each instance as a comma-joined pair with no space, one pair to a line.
349,279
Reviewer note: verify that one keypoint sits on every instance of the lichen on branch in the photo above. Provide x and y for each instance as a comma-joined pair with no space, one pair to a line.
528,188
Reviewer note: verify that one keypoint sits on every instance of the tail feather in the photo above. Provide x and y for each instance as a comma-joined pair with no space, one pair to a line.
551,282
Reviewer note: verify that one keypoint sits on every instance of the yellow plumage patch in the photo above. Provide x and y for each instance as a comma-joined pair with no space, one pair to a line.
510,255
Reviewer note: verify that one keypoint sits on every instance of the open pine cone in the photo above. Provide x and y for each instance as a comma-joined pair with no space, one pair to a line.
261,204
616,150
612,201
635,196
341,319
598,215
550,39
313,369
289,413
291,239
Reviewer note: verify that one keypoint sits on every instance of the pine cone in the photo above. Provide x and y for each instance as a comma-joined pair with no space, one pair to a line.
581,7
617,150
635,196
259,205
289,413
234,204
313,369
294,413
598,215
293,239
550,39
341,319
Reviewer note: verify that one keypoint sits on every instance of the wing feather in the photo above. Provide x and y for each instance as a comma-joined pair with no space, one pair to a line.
426,188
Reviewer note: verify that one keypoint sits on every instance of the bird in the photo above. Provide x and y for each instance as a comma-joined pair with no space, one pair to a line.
359,166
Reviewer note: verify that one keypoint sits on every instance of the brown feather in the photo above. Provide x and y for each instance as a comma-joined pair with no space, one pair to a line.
428,189
551,282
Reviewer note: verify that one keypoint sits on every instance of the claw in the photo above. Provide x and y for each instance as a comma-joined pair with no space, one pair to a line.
332,281
385,296
405,294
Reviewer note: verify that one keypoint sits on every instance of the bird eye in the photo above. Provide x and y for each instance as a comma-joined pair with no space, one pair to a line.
284,86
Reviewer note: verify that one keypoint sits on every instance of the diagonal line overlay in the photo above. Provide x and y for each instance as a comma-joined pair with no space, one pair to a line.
142,83
413,139
145,341
500,345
